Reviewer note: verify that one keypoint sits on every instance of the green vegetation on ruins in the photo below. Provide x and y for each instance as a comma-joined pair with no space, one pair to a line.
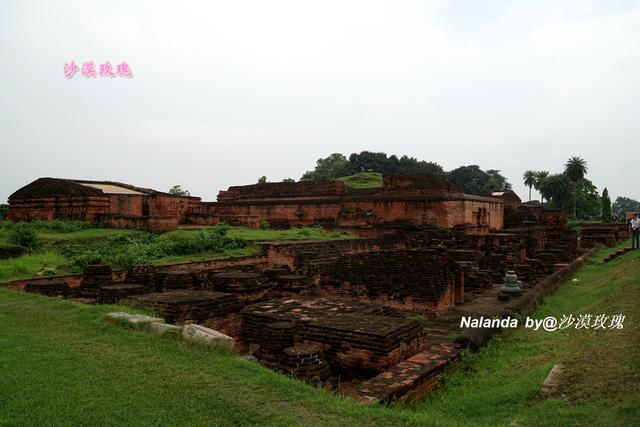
363,180
568,190
66,247
80,369
364,169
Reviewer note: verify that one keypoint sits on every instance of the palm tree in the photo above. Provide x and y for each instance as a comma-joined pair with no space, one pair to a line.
529,178
575,169
540,176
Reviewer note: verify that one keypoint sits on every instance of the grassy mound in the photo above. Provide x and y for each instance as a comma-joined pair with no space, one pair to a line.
363,180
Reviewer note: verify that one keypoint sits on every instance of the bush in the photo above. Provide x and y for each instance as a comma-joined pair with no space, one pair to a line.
124,250
23,235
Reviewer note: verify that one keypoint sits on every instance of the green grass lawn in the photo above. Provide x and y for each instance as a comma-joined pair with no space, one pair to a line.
363,180
64,364
29,265
296,233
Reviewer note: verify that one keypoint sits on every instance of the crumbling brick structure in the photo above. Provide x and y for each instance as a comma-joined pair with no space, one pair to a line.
353,336
606,234
100,202
422,281
401,202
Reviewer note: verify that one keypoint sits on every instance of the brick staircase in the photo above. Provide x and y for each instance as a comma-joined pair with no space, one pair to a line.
413,378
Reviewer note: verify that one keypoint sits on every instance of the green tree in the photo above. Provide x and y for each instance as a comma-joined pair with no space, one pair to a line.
4,210
562,194
470,179
529,179
540,177
556,189
606,206
501,183
329,168
411,166
589,202
473,180
177,190
625,204
575,169
262,180
368,161
338,166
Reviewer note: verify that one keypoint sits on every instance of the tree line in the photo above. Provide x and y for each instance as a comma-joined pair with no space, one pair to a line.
572,192
470,179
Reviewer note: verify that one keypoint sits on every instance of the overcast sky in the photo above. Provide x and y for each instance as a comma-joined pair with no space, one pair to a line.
225,92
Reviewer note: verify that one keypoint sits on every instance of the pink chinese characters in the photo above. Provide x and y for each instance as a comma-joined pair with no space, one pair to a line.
105,69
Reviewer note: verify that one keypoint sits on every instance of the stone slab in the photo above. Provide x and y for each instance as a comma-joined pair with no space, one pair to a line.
134,319
209,337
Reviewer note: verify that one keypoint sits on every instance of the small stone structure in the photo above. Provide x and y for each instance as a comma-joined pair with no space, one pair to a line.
511,285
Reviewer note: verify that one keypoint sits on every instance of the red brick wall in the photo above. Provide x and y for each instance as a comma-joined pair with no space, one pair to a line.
165,205
125,204
48,208
356,212
417,281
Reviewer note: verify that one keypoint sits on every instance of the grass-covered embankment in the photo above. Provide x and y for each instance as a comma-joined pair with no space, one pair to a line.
65,247
65,365
363,180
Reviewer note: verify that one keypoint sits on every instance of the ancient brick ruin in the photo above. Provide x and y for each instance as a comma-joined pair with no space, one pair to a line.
371,317
605,234
102,203
401,202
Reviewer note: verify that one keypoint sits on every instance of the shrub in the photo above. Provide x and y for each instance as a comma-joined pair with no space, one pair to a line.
24,235
124,250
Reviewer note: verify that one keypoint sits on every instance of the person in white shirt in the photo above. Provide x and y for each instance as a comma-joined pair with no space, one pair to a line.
635,232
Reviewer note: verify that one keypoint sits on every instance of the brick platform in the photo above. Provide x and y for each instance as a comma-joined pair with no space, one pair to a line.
52,288
189,305
413,378
111,294
353,335
94,277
